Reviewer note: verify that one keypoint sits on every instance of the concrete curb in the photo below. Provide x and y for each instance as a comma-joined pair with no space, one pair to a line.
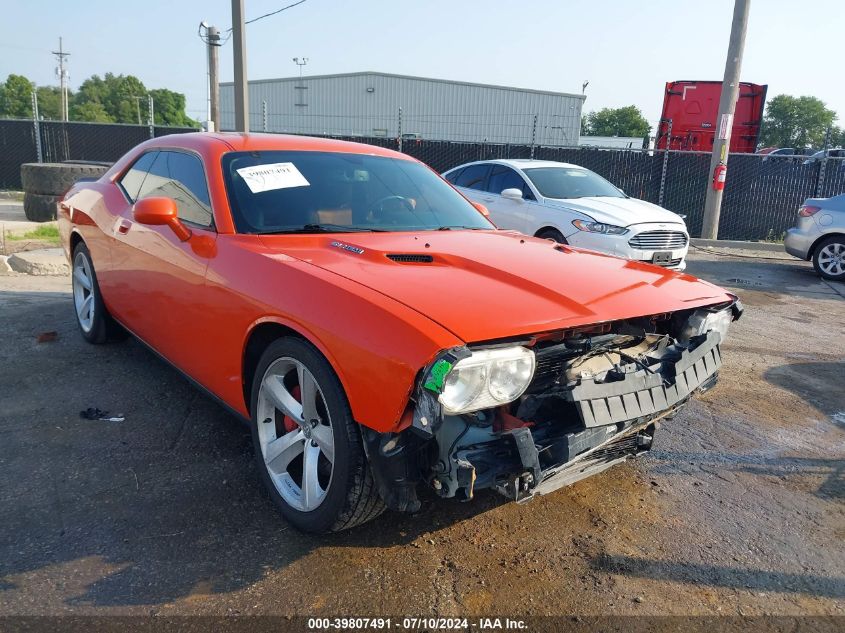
745,246
48,261
11,195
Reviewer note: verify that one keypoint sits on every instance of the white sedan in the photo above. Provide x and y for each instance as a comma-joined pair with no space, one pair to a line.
573,205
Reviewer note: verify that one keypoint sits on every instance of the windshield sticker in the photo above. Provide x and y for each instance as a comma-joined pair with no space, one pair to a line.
269,177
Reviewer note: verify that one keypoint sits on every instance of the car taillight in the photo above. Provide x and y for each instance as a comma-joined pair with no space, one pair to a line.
806,211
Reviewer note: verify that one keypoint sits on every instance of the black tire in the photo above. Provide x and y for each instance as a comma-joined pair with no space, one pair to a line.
104,329
352,497
55,179
39,208
552,234
833,240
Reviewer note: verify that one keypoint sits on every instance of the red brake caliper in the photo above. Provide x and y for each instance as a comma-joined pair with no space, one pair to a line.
289,422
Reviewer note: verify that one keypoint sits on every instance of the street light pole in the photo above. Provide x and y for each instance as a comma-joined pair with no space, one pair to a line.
727,107
240,87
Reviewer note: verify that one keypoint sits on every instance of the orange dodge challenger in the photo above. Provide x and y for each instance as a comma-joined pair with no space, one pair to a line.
375,329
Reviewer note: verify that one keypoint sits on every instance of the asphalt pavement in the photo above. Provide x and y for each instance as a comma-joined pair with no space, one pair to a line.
738,510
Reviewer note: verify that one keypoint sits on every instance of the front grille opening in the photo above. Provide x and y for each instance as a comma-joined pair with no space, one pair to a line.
658,240
410,258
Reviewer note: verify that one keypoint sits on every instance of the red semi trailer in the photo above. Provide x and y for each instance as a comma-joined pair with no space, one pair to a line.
693,107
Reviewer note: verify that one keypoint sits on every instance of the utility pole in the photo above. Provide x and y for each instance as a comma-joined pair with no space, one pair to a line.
727,106
240,87
63,75
213,40
150,108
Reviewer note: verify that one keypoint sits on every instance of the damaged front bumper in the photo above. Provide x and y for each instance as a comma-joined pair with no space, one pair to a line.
586,410
616,420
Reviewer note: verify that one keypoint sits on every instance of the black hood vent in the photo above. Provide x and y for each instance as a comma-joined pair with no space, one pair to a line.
410,258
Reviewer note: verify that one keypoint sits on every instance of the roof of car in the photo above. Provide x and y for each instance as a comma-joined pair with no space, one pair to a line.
241,141
522,163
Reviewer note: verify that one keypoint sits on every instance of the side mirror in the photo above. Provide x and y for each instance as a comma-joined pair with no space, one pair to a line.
157,211
512,194
481,209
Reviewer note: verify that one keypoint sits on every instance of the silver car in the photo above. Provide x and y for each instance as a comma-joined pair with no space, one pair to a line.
820,236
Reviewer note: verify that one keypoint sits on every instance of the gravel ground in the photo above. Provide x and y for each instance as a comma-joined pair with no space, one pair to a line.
737,510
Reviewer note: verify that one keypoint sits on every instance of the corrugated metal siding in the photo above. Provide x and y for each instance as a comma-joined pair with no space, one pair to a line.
434,109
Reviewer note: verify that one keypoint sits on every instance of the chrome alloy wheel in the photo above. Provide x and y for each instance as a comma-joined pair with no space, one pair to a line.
295,434
83,291
832,259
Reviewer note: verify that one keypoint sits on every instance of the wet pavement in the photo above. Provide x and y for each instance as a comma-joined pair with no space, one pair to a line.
739,509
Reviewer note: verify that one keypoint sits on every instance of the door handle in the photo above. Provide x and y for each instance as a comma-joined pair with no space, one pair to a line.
123,227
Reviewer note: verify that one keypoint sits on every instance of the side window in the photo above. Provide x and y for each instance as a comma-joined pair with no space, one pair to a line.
503,178
473,177
132,179
453,176
180,176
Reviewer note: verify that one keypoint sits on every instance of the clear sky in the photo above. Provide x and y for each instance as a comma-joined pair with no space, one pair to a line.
626,49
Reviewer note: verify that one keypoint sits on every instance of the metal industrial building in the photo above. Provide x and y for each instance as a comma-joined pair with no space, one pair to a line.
386,105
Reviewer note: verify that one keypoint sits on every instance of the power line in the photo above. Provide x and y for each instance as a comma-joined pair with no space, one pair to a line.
267,15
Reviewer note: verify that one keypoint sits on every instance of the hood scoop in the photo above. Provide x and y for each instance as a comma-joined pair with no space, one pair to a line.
410,258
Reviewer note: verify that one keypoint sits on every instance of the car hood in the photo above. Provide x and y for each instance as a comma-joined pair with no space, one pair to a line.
618,211
486,285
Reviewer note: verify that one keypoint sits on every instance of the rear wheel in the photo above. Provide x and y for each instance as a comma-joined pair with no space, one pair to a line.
552,234
307,446
829,258
95,323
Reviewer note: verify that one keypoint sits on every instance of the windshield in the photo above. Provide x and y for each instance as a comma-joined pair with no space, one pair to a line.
570,182
314,192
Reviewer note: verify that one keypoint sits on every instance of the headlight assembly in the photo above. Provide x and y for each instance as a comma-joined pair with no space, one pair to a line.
599,227
704,320
487,378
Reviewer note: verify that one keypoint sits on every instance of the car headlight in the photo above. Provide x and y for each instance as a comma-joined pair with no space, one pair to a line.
487,378
704,320
599,227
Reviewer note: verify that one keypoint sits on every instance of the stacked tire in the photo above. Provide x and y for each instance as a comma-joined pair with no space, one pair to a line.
45,183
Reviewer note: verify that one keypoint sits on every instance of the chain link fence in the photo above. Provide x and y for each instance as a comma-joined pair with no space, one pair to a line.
762,193
27,141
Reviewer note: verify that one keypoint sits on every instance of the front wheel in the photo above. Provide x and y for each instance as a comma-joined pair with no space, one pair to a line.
829,258
307,446
552,234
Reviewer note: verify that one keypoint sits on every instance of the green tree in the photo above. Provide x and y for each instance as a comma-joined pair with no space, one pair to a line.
116,94
169,108
50,102
90,111
627,121
16,97
796,122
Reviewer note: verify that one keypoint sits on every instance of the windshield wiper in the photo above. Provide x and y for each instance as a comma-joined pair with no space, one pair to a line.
458,227
325,228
